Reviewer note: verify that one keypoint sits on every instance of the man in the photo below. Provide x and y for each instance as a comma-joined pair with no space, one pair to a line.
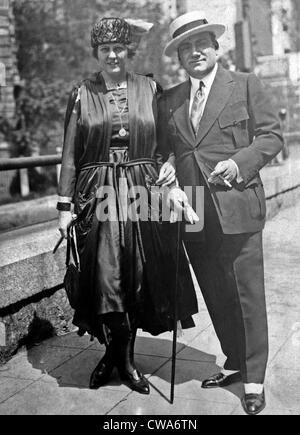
220,129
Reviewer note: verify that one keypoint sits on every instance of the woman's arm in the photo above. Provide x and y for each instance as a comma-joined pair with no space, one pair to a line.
166,168
167,175
68,174
66,186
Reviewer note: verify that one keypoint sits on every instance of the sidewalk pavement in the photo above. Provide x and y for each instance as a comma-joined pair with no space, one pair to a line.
52,378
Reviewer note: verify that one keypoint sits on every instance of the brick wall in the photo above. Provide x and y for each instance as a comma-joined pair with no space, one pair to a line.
8,60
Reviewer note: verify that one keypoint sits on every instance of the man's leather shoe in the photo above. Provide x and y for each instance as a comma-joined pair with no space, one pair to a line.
101,374
220,380
136,381
253,404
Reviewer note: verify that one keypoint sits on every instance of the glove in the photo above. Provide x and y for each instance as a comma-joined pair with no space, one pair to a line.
179,203
167,175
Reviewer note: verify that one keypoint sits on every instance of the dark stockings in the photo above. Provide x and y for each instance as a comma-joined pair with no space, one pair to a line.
122,341
119,353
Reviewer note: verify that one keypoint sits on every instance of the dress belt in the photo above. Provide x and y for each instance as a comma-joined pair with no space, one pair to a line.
115,166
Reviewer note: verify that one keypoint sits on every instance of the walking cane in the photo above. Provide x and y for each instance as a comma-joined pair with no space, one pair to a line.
175,313
192,218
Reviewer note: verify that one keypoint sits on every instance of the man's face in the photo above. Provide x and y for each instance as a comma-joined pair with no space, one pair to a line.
198,55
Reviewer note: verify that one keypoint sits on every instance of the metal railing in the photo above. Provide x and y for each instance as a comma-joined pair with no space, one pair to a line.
22,164
29,162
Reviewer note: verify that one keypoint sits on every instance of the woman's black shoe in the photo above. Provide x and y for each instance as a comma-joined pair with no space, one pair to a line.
101,374
136,381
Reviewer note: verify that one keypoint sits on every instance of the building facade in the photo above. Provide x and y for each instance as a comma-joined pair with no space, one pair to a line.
282,11
224,12
270,21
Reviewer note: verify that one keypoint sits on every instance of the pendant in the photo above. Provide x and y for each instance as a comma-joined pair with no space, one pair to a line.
122,132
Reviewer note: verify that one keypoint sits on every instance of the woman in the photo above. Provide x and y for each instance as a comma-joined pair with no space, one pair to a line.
127,265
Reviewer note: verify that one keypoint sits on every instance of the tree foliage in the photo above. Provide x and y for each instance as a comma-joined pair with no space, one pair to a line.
53,39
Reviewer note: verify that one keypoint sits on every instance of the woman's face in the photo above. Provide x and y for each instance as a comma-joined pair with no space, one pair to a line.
112,58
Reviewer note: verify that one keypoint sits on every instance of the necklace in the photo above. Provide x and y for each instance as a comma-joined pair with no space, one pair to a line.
122,132
113,85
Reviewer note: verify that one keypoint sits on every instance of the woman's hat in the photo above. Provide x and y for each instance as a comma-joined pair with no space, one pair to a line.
138,28
188,25
109,30
127,31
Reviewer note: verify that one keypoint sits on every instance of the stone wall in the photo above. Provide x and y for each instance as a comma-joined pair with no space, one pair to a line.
35,320
33,305
25,213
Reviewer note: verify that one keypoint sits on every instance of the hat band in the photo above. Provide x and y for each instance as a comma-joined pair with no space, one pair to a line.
189,26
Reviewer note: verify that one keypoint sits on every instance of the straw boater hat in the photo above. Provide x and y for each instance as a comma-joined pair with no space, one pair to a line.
188,25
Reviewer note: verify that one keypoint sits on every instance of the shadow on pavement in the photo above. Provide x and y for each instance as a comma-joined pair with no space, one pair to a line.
72,367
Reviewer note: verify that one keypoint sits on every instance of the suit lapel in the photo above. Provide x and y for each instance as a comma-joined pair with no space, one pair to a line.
219,94
181,113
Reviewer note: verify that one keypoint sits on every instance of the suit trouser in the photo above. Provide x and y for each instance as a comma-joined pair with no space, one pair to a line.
230,272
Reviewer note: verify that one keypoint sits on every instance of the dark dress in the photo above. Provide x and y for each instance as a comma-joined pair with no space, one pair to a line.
127,263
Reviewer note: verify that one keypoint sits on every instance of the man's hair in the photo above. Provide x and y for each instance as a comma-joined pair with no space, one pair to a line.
215,41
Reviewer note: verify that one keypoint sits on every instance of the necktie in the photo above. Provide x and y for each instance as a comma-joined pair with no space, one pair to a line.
197,107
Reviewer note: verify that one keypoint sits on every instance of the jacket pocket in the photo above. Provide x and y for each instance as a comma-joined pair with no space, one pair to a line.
233,121
234,114
256,201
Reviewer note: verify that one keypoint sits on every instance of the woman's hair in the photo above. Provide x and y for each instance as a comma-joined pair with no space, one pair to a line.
95,52
130,52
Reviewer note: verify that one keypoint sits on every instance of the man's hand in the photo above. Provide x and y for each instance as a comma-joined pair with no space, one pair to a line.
178,201
64,220
227,170
167,175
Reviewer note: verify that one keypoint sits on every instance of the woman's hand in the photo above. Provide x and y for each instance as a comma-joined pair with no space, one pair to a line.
167,175
64,220
178,201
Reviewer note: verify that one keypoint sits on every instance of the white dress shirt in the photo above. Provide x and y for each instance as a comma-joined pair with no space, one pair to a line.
208,82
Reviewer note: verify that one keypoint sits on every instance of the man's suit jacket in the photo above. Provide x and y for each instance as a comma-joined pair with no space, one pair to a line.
238,123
